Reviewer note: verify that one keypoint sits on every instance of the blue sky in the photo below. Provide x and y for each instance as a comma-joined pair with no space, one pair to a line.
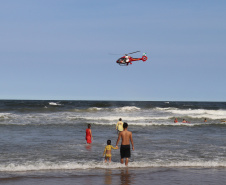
54,49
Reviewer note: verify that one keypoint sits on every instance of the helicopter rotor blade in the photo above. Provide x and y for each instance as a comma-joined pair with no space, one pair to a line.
134,52
115,53
122,53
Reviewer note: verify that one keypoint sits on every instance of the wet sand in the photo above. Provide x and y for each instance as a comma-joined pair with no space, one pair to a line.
124,176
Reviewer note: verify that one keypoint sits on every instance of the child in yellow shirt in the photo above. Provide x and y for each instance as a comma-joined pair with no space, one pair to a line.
107,151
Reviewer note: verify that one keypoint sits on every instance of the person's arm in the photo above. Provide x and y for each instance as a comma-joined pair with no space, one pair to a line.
131,140
91,134
116,126
114,147
119,137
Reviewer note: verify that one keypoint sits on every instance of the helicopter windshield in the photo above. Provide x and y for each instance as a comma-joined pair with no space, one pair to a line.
121,61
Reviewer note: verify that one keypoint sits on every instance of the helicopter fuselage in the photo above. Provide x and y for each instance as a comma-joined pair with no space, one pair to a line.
126,60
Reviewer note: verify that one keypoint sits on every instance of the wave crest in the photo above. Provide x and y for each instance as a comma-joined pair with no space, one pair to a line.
54,103
127,109
38,166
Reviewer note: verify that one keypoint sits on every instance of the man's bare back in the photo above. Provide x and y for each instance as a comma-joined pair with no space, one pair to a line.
126,138
125,145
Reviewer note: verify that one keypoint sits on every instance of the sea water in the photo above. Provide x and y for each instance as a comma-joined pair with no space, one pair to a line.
43,142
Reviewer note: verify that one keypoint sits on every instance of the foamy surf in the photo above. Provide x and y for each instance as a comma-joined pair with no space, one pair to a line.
39,166
195,113
54,104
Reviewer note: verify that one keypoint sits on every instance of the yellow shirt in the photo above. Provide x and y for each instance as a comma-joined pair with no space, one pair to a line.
119,126
108,147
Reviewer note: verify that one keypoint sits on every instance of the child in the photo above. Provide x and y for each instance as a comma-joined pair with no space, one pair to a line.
107,151
89,136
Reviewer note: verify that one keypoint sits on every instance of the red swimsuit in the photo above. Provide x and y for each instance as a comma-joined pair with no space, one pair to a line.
88,136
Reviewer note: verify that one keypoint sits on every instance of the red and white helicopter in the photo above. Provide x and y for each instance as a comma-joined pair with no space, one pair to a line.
126,60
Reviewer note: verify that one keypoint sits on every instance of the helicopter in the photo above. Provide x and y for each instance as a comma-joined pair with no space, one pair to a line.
126,60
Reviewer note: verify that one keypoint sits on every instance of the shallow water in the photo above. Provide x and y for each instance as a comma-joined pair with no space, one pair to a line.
43,142
124,176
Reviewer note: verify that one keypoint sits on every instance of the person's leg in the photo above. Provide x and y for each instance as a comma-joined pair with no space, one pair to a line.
122,161
126,161
105,159
109,159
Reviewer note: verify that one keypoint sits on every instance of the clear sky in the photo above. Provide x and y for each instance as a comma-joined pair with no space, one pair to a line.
61,49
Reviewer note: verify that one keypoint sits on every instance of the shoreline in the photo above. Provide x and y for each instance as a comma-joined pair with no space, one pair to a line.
136,176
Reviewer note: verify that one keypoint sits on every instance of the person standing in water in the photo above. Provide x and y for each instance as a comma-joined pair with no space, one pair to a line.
107,151
119,126
125,145
89,136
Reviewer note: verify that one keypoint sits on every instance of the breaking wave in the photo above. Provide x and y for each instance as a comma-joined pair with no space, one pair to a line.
195,113
54,104
38,166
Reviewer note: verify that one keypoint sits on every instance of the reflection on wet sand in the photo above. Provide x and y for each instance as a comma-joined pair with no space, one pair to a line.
125,177
108,177
122,177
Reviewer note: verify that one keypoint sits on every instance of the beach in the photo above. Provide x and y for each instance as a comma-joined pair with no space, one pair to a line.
127,176
43,142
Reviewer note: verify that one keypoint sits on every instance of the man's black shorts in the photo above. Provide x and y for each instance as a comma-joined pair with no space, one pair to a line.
125,151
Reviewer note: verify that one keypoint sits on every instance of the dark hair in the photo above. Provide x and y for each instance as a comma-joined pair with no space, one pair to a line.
89,126
108,142
125,125
120,119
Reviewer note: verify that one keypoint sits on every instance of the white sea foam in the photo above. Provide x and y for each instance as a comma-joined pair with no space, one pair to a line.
38,166
165,109
94,109
94,118
127,109
120,109
196,113
102,116
5,115
54,103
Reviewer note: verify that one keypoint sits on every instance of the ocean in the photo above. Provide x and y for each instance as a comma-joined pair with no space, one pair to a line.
43,142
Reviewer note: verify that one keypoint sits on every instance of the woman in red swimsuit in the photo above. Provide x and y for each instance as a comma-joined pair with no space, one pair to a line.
89,136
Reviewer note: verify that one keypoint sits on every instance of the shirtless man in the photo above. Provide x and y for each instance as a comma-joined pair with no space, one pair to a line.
125,145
